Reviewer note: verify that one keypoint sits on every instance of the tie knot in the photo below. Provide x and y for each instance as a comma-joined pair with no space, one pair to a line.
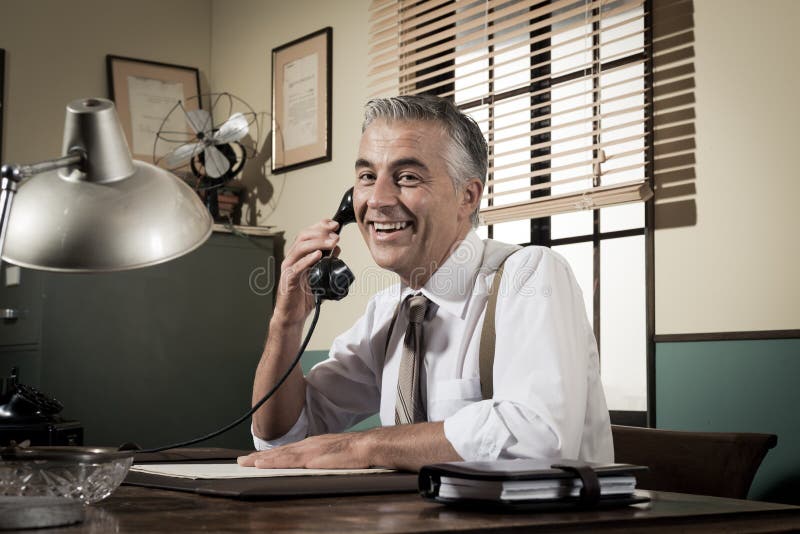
417,306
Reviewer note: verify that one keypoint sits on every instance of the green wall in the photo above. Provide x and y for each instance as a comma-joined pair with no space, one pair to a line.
311,358
737,386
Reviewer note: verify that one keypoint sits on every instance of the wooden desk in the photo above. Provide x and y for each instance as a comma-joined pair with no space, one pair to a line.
134,509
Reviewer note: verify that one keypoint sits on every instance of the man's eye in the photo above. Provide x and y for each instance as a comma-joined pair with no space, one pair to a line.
407,179
366,177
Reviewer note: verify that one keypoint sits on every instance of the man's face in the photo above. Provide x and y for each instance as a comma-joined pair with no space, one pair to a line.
407,208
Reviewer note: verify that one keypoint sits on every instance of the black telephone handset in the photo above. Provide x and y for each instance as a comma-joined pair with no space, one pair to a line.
330,278
24,404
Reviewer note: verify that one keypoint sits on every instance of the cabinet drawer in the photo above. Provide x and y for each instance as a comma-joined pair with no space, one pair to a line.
25,300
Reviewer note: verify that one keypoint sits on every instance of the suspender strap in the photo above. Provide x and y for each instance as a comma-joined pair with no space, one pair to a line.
486,351
486,354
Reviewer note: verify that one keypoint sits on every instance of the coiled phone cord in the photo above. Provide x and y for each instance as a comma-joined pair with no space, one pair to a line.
256,406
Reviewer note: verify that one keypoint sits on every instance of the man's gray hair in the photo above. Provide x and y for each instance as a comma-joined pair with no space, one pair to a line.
467,156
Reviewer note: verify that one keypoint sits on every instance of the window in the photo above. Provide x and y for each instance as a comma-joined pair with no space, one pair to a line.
559,89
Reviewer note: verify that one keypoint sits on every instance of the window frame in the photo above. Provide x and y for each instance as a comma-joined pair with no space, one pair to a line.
540,228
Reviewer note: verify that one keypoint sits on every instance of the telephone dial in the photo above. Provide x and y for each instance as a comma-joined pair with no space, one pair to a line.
27,414
330,278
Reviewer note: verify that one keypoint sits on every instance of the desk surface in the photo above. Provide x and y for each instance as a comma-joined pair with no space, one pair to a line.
135,509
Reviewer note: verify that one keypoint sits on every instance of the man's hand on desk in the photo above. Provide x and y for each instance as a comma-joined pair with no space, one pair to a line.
406,447
329,451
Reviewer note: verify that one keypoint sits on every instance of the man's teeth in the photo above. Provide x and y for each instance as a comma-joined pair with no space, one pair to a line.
390,226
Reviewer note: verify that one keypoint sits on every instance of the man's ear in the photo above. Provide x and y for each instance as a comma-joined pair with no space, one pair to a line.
471,195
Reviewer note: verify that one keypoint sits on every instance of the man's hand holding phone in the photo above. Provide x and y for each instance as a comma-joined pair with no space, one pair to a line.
295,299
310,273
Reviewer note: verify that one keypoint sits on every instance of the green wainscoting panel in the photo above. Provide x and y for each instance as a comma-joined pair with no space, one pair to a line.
737,386
310,359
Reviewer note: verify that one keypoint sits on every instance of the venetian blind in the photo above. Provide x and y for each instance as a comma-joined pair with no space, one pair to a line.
558,87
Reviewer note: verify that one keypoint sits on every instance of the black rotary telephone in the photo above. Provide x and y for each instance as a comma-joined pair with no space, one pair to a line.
23,404
330,278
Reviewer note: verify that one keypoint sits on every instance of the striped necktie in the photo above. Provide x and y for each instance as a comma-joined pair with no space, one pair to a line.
409,407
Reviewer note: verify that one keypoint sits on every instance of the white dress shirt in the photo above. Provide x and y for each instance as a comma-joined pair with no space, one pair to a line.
548,400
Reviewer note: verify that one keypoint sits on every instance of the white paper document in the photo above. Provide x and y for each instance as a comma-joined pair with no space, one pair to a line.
300,102
232,470
150,101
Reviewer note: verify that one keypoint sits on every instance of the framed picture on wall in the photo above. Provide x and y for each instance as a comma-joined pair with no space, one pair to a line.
145,92
2,97
301,101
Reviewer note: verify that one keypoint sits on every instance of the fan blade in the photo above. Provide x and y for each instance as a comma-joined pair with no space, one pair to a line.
182,154
215,162
232,130
199,120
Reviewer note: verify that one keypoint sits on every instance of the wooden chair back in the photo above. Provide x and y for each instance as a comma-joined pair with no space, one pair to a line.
721,464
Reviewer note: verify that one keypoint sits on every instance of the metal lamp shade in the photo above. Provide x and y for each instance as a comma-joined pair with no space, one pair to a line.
110,214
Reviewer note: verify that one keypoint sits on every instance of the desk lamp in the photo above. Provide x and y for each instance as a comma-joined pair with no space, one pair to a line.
94,209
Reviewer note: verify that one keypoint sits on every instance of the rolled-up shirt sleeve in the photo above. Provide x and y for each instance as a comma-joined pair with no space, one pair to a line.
296,433
544,354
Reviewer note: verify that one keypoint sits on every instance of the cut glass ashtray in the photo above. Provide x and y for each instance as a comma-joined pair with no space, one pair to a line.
86,474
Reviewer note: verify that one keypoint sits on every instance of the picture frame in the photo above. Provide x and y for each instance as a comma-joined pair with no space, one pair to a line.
2,97
301,101
144,93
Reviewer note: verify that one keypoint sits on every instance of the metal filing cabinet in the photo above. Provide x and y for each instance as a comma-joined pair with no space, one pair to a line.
153,355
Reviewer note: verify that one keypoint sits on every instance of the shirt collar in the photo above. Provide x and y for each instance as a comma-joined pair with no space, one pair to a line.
451,285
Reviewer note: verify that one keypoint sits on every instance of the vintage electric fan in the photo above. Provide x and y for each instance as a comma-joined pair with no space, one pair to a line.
208,147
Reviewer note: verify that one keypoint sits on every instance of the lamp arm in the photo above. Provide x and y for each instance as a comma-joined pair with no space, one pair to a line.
17,173
12,175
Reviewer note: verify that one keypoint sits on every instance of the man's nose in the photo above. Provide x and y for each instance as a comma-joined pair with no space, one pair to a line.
384,193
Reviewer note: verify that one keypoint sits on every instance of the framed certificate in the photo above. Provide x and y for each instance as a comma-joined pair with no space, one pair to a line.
2,98
145,92
301,102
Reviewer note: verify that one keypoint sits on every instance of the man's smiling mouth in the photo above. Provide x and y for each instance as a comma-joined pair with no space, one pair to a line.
388,227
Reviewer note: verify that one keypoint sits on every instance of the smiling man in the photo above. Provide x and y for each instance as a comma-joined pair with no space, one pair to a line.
419,178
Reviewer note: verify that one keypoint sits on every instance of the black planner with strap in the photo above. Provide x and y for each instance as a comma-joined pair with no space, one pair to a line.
530,485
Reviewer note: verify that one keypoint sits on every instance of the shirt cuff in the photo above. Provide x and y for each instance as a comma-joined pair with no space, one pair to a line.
477,432
296,433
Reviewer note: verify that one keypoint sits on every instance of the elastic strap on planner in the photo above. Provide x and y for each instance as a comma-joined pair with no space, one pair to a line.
590,492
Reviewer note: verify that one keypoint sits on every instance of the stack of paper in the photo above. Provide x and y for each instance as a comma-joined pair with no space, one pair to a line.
463,488
232,470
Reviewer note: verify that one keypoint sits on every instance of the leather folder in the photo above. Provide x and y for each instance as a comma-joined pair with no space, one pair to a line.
264,488
486,485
